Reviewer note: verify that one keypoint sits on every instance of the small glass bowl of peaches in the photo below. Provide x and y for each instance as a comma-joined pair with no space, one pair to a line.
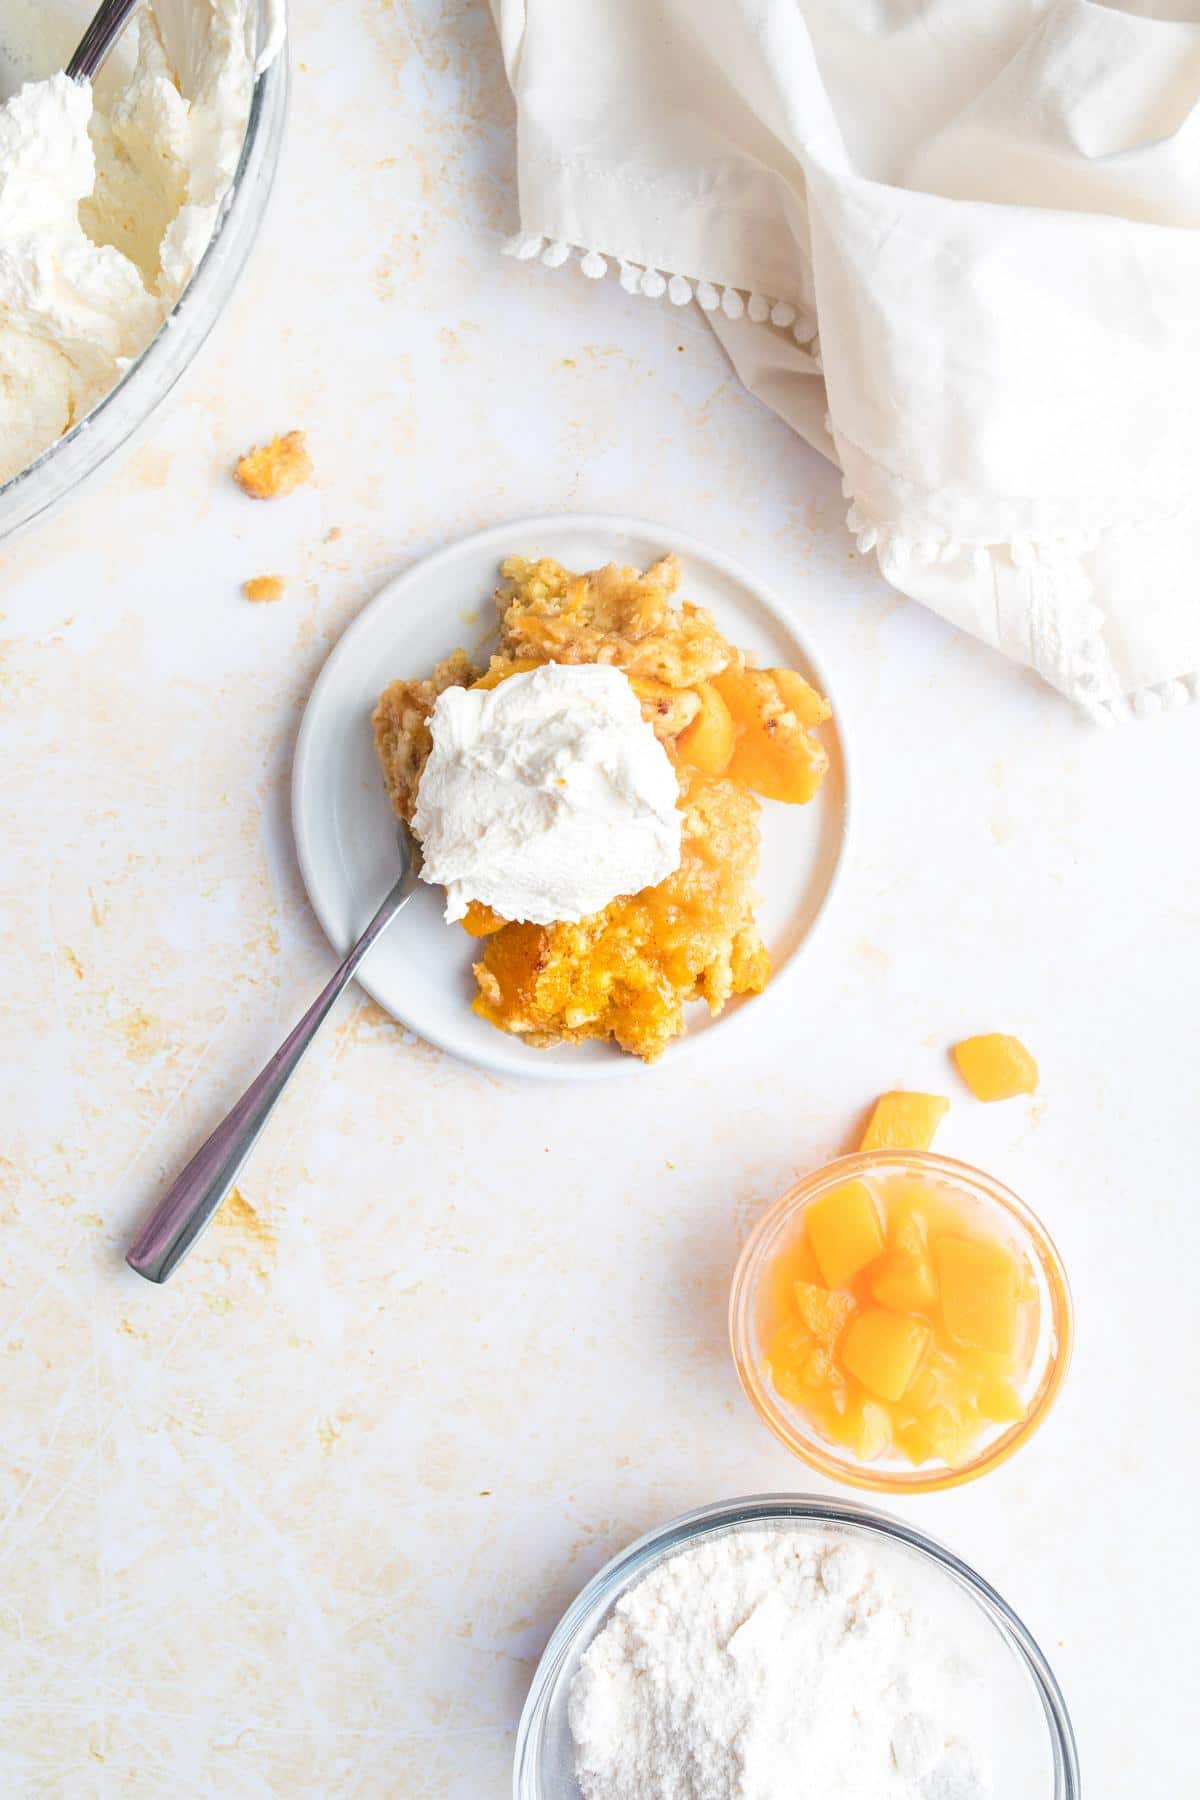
901,1321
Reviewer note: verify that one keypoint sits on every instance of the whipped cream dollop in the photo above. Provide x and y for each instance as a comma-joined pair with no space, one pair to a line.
105,211
546,797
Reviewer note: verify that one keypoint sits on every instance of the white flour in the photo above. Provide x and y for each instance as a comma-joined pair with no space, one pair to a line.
771,1665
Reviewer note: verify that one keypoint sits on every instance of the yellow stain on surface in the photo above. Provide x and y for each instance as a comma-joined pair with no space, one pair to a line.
330,1430
237,1215
150,467
140,1034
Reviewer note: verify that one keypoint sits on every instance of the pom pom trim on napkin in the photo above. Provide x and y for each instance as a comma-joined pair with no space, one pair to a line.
1065,627
1001,260
680,290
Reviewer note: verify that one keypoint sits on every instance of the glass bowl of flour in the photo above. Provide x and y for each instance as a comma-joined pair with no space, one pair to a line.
127,212
792,1648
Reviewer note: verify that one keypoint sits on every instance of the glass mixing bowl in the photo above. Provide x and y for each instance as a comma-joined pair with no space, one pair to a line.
1009,1220
52,476
1034,1751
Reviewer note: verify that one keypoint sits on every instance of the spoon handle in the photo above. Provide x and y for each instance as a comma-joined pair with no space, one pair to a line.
194,1196
99,38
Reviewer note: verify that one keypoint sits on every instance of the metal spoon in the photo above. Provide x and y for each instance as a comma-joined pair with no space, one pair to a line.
195,1195
99,38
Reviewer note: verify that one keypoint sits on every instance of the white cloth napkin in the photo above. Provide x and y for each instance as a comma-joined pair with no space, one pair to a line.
955,243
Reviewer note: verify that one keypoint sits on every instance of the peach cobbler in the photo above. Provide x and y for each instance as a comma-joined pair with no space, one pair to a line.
732,732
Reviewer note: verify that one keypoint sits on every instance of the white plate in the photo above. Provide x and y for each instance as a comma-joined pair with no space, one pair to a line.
420,971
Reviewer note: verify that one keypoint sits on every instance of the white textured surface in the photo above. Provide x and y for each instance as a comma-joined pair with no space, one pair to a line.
300,1523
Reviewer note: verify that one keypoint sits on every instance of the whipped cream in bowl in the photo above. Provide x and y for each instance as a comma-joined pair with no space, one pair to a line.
122,209
546,797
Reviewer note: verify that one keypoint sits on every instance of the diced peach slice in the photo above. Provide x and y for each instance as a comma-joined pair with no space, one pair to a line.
480,921
796,1263
977,1283
792,775
707,743
996,1067
818,1368
914,1440
773,753
902,1281
931,1384
789,1383
809,1372
501,672
907,1230
844,1230
884,1350
800,697
789,1343
952,1432
904,1121
868,1429
788,1352
825,1314
1000,1402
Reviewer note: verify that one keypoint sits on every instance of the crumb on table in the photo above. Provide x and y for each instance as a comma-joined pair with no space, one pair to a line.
270,470
263,587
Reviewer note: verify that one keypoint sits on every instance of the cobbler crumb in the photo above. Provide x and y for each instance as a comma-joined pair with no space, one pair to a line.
269,471
264,587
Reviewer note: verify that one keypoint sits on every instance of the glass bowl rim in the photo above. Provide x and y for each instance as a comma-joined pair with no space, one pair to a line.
620,1573
825,1459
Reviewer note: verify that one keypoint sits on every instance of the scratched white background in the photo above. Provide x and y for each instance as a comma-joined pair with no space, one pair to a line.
300,1523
